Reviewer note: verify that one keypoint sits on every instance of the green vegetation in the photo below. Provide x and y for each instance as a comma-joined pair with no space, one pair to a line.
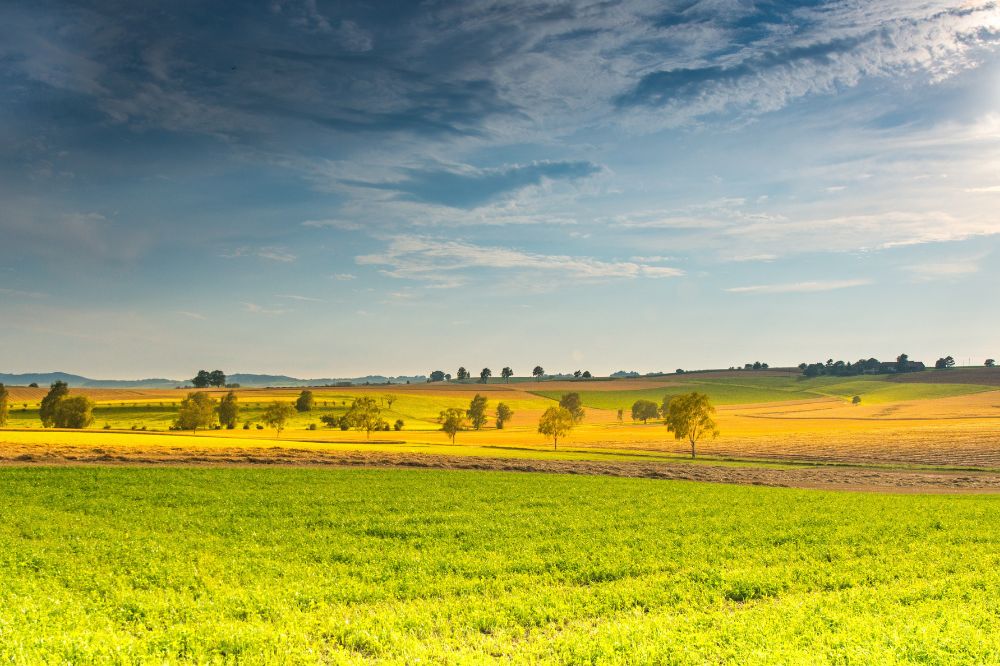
689,416
265,566
556,422
277,414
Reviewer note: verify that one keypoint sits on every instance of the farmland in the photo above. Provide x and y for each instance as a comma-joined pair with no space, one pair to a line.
259,566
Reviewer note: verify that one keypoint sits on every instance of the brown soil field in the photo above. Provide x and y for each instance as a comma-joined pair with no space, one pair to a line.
830,478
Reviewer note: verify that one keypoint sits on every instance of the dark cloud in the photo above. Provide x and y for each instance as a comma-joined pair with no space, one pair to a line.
473,188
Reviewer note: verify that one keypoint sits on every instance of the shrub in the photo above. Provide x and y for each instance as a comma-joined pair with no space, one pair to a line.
398,425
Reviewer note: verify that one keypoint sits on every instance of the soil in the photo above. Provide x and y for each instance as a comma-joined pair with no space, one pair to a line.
825,477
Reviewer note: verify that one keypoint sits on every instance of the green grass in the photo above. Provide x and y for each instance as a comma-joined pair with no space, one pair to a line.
721,393
314,566
883,391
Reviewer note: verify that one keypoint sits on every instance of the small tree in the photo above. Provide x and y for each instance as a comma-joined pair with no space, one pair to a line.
452,421
556,422
643,410
305,401
477,411
389,398
277,415
902,363
331,420
484,375
229,410
462,374
364,414
74,412
437,376
504,414
507,373
586,374
4,405
197,410
398,425
202,380
689,416
990,363
538,372
47,411
856,400
572,403
621,415
577,373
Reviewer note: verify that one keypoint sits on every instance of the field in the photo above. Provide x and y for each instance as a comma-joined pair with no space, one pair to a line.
261,566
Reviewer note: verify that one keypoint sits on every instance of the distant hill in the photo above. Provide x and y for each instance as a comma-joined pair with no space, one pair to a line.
243,379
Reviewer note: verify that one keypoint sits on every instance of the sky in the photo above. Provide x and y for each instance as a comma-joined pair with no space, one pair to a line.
332,189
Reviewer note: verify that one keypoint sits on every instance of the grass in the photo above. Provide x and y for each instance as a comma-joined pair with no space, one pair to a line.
721,393
262,566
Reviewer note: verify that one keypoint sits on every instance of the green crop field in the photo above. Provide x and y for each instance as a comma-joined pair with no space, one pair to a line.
317,566
750,389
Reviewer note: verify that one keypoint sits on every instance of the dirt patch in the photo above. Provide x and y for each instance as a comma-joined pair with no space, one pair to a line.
830,478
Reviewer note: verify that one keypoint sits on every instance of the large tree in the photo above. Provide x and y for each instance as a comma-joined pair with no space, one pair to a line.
504,414
75,411
4,405
477,411
47,411
437,376
229,410
689,416
902,363
452,421
364,414
305,401
944,363
507,373
990,363
217,378
197,410
643,410
202,380
538,372
484,375
572,403
277,415
462,374
556,422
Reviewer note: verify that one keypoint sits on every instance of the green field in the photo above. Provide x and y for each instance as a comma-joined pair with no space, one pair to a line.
752,388
317,566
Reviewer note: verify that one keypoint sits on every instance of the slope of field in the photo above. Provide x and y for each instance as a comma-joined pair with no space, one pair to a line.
265,566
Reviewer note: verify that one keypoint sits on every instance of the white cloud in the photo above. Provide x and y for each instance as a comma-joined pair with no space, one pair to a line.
945,270
344,277
304,299
269,252
334,223
421,258
259,309
799,287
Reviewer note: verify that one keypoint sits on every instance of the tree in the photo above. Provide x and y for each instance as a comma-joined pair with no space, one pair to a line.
389,398
74,412
856,400
277,414
990,363
586,374
229,410
507,373
902,363
437,376
571,402
689,416
944,363
643,410
452,421
202,380
462,374
331,420
47,411
504,414
577,373
305,401
477,411
621,415
217,378
4,405
484,375
364,414
556,422
197,410
538,372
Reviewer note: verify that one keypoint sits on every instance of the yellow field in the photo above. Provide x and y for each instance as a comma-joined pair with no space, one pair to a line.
956,431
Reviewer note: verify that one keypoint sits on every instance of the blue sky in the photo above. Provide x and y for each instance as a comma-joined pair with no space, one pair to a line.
333,189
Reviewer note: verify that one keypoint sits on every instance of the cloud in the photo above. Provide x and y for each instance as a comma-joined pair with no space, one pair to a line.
433,260
469,187
17,293
334,223
344,277
991,189
945,270
261,310
799,287
191,315
268,252
304,299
